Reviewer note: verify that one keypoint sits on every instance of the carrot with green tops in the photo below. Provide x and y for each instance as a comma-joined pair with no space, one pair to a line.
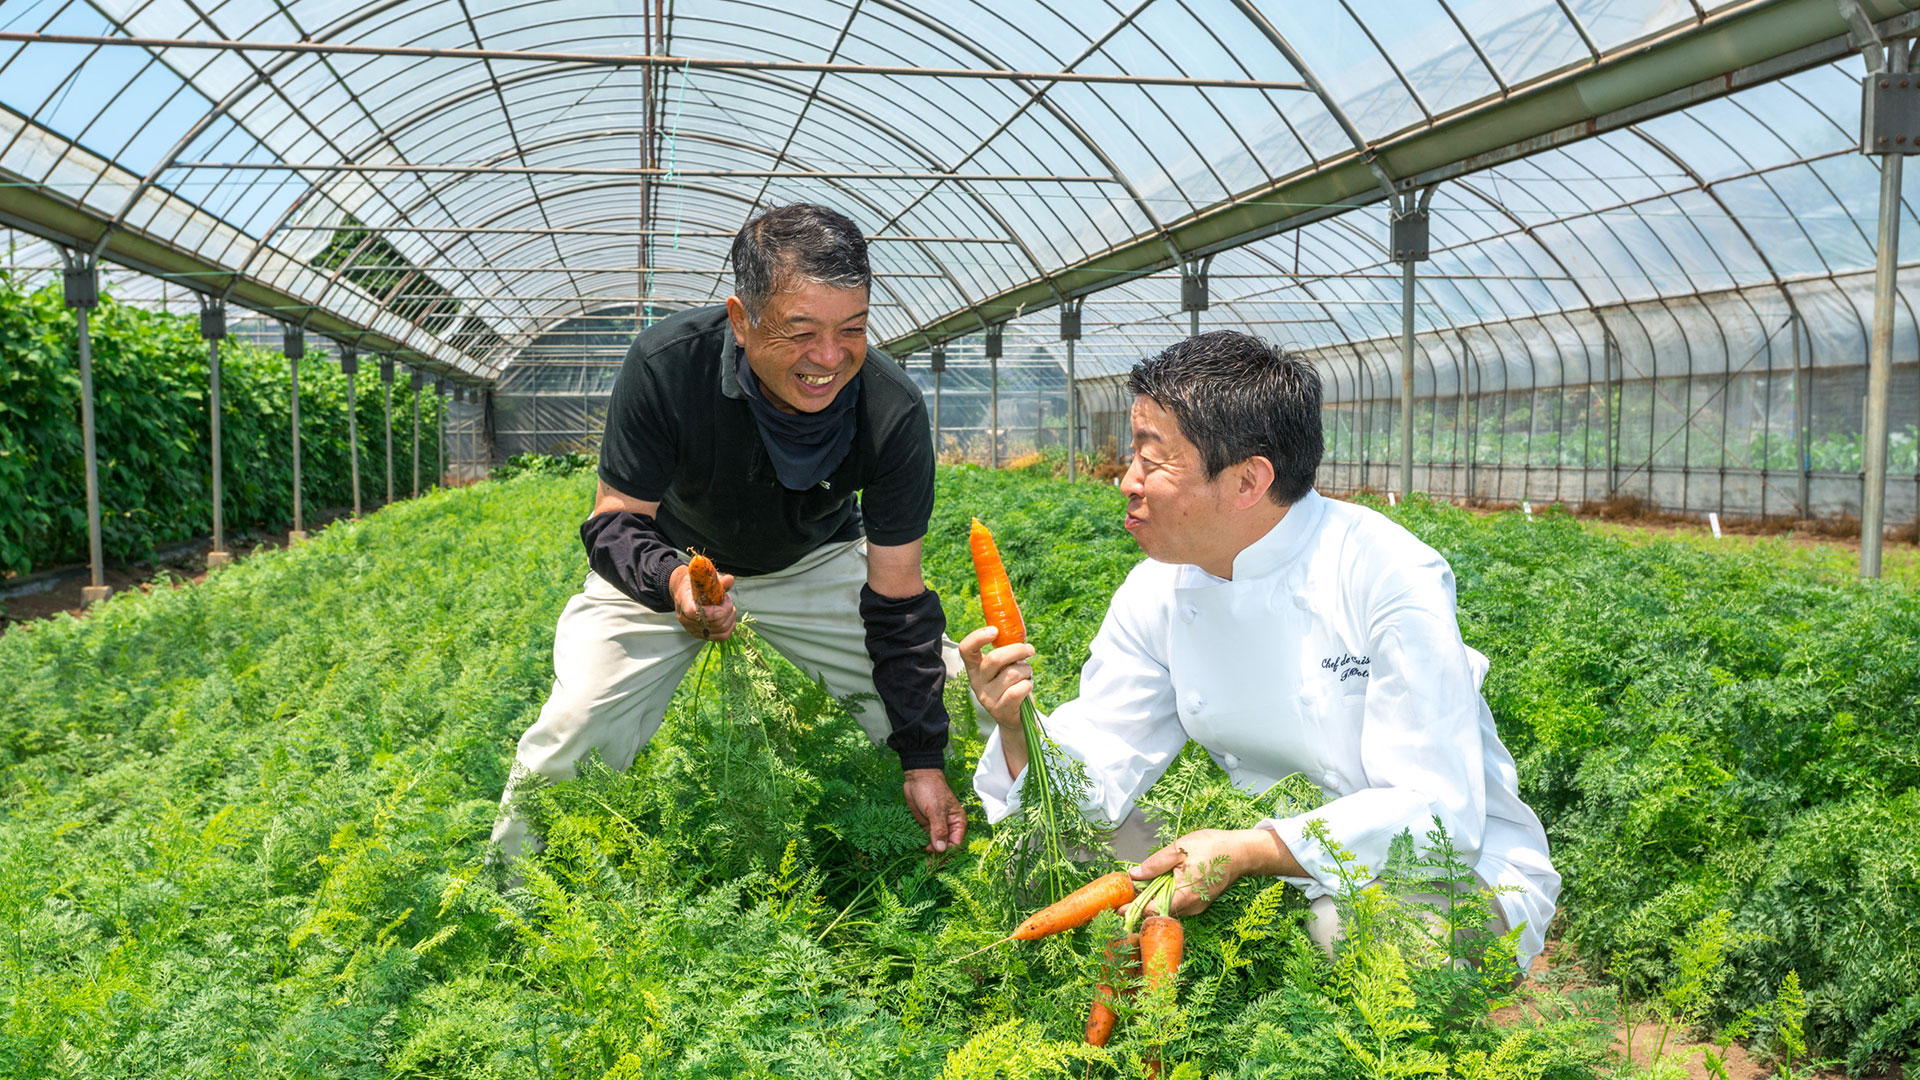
706,582
1003,614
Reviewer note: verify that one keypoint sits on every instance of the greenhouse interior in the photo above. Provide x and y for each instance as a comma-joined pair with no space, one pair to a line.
317,312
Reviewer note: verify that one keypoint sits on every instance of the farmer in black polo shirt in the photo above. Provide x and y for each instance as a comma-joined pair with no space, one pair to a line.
743,432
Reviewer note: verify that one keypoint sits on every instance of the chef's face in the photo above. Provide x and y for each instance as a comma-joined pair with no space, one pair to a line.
1174,512
810,343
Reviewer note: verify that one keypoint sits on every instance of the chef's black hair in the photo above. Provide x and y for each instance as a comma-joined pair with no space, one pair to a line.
1235,396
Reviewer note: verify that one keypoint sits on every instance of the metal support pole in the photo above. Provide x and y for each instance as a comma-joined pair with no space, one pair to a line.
419,380
1409,228
386,390
294,347
1873,501
996,338
1070,330
213,327
350,366
1803,420
439,431
1406,377
939,367
82,293
1607,350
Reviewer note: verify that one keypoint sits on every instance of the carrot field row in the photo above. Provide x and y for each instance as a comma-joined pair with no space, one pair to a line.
245,830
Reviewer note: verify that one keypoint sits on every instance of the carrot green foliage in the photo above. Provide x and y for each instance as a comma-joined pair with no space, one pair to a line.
246,827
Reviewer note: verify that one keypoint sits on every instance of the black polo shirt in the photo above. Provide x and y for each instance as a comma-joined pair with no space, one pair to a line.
679,432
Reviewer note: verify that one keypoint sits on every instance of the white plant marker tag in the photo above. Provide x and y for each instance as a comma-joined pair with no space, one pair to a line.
1528,507
1392,499
1713,519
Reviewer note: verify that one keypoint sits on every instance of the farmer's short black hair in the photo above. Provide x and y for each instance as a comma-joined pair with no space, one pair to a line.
796,244
1235,396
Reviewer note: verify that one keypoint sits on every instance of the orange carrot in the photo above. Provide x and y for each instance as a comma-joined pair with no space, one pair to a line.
1101,1020
706,582
996,591
1103,893
1162,944
1122,955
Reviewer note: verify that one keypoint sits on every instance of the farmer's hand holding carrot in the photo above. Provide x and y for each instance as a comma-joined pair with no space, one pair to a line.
703,600
1206,861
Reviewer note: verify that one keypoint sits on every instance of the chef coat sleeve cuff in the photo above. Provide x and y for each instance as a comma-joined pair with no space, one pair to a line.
1323,870
999,793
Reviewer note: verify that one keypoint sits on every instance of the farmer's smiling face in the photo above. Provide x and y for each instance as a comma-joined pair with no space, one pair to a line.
810,343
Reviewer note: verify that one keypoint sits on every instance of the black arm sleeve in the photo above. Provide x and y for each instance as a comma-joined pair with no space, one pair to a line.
903,638
627,549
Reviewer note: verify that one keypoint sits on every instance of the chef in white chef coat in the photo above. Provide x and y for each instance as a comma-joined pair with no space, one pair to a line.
1285,633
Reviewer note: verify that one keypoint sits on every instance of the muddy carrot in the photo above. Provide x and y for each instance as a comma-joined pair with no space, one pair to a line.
706,582
996,590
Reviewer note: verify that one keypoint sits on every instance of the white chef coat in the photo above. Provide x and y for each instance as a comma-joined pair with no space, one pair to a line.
1333,652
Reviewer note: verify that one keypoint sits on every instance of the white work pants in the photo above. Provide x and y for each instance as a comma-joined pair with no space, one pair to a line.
616,663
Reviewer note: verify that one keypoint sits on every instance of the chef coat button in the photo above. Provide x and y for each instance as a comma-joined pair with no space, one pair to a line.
1230,761
1306,701
1189,613
1300,601
1329,779
1196,703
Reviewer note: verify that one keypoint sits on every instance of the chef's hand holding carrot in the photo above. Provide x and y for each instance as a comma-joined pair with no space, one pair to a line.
1001,680
1206,861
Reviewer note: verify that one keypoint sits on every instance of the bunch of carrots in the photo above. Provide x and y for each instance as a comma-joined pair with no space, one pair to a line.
1150,947
1003,614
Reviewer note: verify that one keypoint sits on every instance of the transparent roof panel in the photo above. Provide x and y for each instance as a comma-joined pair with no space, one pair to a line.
524,189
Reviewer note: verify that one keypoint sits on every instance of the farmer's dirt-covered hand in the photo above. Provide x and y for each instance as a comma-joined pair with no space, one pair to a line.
1206,861
710,622
935,808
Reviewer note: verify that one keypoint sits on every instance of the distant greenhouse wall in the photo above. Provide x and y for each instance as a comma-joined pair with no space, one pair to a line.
1746,402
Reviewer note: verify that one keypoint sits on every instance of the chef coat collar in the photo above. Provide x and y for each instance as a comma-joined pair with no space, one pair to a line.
1285,542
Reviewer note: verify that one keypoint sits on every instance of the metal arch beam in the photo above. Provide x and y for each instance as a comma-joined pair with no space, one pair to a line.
39,213
262,76
1368,156
722,193
845,108
389,130
717,140
1053,108
879,279
1730,49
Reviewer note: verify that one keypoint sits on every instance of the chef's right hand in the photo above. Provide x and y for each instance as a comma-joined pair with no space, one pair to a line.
1001,679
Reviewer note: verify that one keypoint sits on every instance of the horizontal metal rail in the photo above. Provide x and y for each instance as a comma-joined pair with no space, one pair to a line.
695,63
708,234
669,175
